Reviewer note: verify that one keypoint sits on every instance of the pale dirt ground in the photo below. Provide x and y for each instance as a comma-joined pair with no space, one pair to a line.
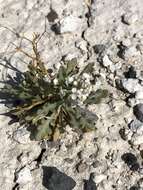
106,22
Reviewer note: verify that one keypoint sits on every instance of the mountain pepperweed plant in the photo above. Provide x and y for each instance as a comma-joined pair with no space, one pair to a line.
47,100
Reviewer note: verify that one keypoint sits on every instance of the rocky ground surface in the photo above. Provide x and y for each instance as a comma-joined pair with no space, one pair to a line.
108,33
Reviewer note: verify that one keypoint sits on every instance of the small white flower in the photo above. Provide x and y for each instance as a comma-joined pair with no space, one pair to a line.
55,81
57,65
70,79
75,83
73,96
74,90
47,79
80,92
89,88
52,74
83,97
87,80
86,76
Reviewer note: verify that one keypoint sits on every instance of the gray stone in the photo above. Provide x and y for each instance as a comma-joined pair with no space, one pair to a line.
136,126
130,85
53,179
138,111
52,15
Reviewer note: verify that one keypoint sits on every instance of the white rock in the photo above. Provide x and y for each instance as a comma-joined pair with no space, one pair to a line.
119,33
70,24
140,130
6,176
131,52
22,136
31,152
100,178
24,176
70,56
126,42
139,34
139,94
115,67
130,18
89,136
131,102
131,85
82,45
137,140
106,61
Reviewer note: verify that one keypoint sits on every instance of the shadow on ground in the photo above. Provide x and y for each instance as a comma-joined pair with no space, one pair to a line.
5,97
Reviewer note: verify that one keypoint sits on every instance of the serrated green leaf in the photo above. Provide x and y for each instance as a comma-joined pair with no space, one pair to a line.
61,75
50,107
29,118
24,95
71,66
88,68
96,97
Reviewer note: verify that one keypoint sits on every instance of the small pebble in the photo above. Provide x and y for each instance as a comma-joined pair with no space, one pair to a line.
70,24
129,18
106,61
139,94
136,126
131,85
137,139
23,176
100,178
22,136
